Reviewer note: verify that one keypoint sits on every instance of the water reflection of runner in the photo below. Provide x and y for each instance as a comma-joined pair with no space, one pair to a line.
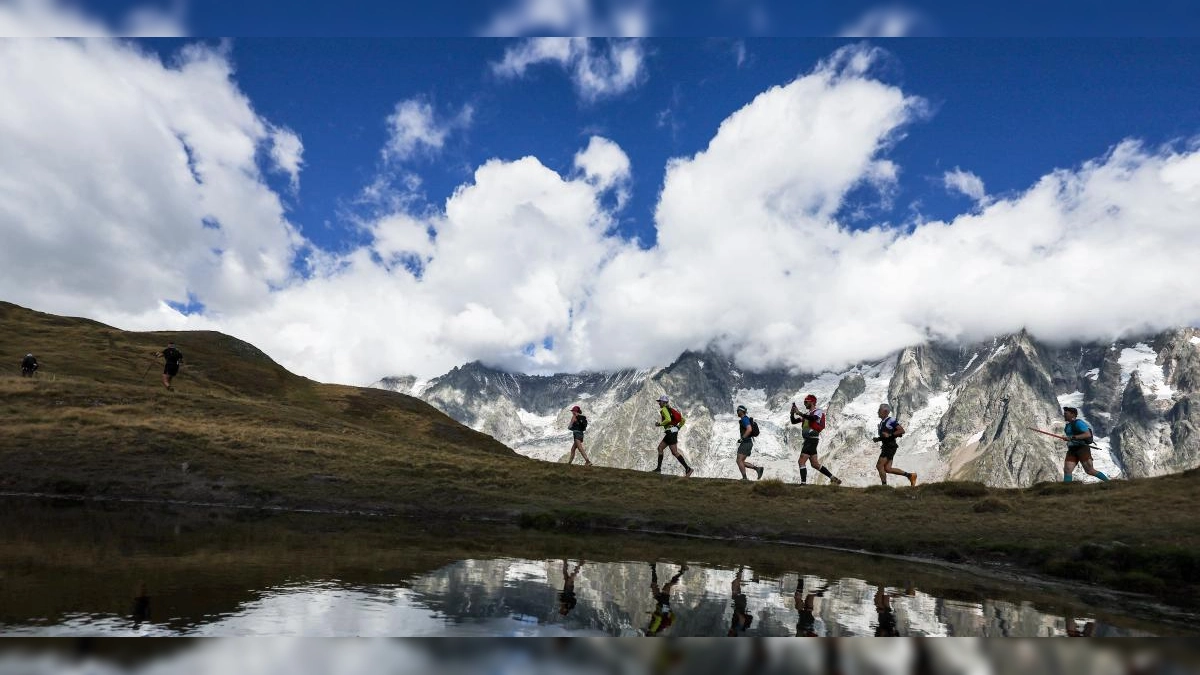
741,620
662,617
887,619
141,606
806,625
566,599
1075,630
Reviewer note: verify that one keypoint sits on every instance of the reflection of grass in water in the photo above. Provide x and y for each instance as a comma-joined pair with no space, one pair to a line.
242,430
85,559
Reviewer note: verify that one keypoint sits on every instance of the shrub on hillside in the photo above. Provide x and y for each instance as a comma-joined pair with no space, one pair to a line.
771,487
992,505
957,489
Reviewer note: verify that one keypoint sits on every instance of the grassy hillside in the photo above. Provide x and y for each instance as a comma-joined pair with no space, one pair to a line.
239,429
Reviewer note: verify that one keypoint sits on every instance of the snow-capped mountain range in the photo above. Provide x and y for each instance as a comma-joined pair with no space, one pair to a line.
966,409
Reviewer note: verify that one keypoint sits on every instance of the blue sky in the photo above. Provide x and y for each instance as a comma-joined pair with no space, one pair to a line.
1007,110
369,207
687,18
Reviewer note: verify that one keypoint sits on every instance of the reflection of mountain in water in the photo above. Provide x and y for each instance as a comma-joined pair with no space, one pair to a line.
615,598
78,571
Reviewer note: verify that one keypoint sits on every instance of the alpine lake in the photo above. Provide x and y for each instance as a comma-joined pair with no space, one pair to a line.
92,569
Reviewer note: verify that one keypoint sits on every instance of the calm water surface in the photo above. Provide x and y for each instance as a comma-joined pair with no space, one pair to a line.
90,571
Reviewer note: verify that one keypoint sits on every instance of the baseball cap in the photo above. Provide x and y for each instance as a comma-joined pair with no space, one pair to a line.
810,397
663,399
741,408
576,409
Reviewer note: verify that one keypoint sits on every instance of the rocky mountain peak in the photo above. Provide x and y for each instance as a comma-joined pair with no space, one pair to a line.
967,408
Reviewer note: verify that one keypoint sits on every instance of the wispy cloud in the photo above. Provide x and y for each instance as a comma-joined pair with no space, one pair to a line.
620,18
889,21
57,18
598,68
965,182
415,128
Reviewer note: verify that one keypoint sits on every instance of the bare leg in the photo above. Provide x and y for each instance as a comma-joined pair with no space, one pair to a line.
679,458
579,445
1091,470
1068,469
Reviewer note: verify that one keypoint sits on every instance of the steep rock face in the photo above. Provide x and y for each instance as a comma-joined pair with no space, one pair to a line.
1102,392
1184,419
967,408
922,372
848,389
1181,365
994,406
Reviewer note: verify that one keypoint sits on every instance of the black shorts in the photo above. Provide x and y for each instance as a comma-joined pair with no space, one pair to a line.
807,625
1079,453
171,369
888,452
671,438
577,435
887,624
810,446
745,447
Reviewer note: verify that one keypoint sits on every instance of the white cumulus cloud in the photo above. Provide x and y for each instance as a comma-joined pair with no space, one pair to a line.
605,165
155,194
125,181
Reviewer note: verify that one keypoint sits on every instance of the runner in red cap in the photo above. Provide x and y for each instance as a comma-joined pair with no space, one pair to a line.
812,422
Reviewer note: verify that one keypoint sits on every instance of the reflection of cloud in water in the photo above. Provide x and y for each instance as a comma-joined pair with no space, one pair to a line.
588,657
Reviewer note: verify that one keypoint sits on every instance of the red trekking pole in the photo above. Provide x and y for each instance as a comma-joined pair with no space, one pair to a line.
1061,438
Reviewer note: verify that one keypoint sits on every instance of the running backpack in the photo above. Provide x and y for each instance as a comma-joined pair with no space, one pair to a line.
818,424
753,428
676,417
580,422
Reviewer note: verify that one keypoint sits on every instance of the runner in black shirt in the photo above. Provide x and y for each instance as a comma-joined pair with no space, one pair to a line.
173,358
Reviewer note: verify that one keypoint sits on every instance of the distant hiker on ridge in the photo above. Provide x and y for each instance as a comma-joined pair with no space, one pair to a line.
1079,440
747,430
889,430
577,426
811,422
672,419
29,366
173,359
